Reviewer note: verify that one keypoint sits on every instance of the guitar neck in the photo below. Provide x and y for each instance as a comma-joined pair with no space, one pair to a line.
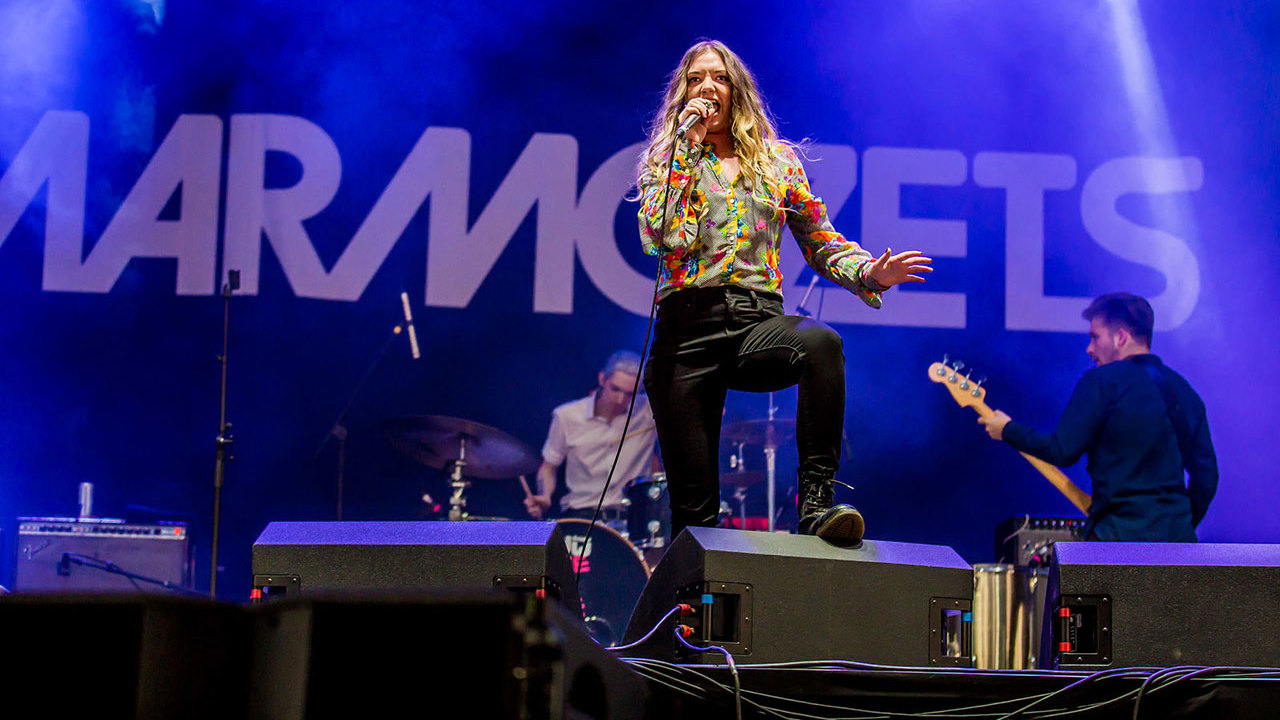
1078,497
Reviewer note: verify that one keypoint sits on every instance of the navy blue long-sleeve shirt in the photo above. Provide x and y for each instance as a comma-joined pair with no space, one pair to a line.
1117,415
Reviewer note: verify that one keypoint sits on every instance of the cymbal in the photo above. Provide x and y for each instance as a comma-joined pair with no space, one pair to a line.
742,478
435,441
759,432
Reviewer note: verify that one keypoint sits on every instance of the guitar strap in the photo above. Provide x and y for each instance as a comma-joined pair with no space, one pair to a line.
1173,407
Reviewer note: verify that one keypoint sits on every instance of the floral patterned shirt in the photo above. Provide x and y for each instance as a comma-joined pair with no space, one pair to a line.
721,233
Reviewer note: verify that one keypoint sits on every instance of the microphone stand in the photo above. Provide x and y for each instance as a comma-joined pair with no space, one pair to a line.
339,429
224,439
69,559
800,309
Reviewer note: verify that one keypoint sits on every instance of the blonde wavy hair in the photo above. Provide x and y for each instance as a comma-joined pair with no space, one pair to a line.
755,135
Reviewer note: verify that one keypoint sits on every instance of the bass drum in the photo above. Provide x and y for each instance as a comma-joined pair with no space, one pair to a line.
612,576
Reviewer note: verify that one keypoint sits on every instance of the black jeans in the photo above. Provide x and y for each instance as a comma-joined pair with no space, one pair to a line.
711,340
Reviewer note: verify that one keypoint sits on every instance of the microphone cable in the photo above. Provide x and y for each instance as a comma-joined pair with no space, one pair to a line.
635,388
683,609
728,658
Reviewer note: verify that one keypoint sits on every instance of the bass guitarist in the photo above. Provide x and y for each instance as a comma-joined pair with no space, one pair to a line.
1141,425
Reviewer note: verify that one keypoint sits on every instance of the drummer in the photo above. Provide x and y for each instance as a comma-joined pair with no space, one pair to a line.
584,438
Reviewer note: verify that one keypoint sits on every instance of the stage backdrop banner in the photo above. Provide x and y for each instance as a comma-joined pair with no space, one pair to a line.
481,160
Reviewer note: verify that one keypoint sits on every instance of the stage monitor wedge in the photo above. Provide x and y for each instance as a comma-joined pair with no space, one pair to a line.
470,655
112,655
414,556
768,597
1116,604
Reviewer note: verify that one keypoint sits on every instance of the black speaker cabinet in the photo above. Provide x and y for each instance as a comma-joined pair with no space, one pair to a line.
124,656
414,556
76,555
768,597
472,656
1162,604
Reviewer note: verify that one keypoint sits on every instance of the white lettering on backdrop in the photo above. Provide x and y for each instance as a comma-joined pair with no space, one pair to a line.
569,229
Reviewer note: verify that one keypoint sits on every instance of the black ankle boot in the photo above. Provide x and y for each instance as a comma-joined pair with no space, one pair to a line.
840,525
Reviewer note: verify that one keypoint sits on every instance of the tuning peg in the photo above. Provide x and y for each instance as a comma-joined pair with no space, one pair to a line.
977,386
964,384
955,367
942,366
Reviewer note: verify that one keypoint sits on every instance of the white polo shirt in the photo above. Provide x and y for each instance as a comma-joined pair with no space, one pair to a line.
586,445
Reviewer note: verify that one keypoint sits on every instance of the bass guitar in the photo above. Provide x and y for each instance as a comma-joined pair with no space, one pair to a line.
968,393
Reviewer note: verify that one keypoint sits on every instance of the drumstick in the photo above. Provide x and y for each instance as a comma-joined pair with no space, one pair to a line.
525,484
634,433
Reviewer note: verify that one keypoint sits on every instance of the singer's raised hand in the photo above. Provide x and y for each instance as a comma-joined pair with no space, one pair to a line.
889,270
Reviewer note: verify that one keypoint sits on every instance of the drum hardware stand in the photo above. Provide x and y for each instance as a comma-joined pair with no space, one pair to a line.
463,451
458,503
224,440
339,429
737,461
771,465
740,494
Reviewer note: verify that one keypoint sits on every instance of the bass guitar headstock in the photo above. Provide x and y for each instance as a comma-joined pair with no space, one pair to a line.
966,392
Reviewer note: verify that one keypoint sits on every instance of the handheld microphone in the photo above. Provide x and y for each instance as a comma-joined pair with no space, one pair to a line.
692,120
408,321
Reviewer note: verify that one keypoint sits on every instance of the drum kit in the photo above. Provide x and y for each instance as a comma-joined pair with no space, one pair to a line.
769,433
614,562
466,450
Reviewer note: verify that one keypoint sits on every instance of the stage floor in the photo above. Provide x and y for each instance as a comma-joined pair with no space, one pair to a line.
509,655
852,690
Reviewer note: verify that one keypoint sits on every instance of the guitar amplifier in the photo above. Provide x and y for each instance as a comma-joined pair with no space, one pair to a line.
88,554
1027,541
